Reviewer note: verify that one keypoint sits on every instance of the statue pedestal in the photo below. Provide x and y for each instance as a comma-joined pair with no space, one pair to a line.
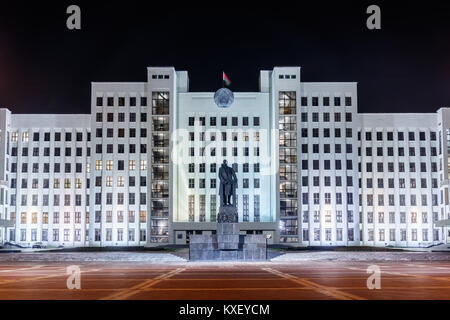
227,243
227,214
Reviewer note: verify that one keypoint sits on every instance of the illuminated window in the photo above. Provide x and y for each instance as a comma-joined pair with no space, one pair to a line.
34,218
88,167
160,103
328,216
78,183
120,181
56,184
98,164
14,136
143,164
67,183
44,217
143,216
25,136
109,165
287,102
132,164
109,181
23,217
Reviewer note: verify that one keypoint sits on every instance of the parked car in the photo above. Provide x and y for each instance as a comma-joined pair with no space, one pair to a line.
38,245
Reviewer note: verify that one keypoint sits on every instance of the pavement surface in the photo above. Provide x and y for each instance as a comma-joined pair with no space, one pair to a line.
416,277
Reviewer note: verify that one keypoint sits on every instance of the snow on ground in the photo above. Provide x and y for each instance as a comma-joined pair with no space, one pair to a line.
362,256
90,257
182,256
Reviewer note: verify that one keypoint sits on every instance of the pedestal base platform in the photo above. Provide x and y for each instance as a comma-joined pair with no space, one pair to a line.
227,244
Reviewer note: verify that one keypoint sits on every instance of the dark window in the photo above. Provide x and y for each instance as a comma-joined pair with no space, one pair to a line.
337,101
348,101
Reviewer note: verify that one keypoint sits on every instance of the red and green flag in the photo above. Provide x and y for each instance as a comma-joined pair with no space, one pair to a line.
225,79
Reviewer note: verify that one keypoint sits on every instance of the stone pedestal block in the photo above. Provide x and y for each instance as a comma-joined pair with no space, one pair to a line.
227,228
227,214
227,244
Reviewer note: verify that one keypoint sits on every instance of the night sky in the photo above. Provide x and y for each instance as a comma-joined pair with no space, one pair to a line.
46,68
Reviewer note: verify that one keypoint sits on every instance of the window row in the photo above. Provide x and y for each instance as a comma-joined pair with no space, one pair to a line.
213,167
223,135
56,136
224,153
224,121
56,152
120,148
380,167
67,201
121,101
327,198
392,218
314,101
213,183
382,236
400,136
329,236
35,167
413,183
326,117
401,200
401,151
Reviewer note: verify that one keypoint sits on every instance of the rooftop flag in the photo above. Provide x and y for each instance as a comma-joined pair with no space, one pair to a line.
225,79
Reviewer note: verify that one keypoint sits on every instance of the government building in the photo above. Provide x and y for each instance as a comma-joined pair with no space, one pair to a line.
142,168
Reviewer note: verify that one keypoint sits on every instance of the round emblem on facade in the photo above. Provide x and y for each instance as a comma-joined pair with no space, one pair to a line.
224,98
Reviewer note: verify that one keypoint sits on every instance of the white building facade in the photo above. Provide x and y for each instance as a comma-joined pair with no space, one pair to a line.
141,168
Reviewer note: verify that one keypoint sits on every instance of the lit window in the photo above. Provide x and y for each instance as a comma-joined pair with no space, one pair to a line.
120,181
143,164
78,183
98,164
67,183
56,184
132,164
34,218
109,181
25,136
14,136
143,216
23,217
109,165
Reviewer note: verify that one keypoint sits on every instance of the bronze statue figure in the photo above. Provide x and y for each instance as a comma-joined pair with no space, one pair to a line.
228,181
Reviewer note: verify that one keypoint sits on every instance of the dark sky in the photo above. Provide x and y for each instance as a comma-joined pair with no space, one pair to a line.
46,68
